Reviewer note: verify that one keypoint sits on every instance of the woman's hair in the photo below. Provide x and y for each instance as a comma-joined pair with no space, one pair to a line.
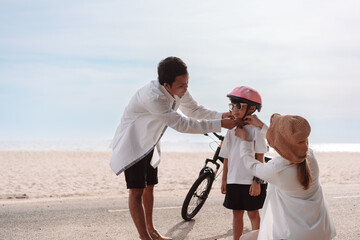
169,69
304,174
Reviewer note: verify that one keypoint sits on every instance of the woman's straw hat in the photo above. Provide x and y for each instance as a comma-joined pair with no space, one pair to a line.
288,135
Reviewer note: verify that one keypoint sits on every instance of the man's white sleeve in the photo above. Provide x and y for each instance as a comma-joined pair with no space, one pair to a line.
160,109
192,109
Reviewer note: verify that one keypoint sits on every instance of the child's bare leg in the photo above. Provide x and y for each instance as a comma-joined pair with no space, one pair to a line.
238,223
254,217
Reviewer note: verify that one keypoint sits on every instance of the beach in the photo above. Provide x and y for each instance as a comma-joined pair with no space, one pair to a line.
41,176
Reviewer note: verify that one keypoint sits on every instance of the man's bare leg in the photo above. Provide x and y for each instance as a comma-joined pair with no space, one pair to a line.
137,212
148,201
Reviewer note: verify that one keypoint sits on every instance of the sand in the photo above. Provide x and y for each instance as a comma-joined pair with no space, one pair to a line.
50,174
41,176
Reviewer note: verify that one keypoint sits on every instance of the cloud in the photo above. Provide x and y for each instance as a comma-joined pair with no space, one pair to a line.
82,60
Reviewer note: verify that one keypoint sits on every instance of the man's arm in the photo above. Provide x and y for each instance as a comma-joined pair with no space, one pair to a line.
228,123
161,109
192,109
227,115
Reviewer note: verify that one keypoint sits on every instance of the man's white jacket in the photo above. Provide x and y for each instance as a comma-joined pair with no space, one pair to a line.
146,118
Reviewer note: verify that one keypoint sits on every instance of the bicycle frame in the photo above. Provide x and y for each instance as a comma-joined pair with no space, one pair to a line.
215,158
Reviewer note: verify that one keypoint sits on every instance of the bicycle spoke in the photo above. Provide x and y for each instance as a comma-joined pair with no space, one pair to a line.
198,196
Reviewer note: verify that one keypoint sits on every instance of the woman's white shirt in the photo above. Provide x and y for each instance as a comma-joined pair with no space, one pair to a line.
289,211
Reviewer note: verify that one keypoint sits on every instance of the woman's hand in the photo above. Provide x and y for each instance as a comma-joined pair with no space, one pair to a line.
242,133
253,120
255,189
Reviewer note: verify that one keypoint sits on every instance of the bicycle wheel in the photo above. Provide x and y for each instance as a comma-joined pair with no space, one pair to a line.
197,195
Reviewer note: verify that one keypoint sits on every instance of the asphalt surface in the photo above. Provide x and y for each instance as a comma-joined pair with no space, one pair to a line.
109,218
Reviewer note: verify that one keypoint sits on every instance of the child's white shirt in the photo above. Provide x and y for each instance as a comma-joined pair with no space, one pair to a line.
237,173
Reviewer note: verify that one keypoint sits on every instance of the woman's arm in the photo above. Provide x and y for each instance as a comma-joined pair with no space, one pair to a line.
255,188
253,120
264,171
259,157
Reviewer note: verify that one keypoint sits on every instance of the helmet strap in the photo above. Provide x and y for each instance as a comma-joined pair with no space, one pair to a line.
246,112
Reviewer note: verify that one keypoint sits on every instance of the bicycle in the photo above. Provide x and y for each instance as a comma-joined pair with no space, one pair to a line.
201,188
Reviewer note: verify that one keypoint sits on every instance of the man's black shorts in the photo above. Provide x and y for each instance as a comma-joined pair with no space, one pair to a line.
142,173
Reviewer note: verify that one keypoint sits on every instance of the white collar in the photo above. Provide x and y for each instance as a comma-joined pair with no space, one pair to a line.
163,90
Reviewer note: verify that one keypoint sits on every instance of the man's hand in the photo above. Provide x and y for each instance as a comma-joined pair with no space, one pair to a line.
242,133
253,120
227,115
255,189
228,123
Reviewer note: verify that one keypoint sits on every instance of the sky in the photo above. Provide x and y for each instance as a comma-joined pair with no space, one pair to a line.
69,68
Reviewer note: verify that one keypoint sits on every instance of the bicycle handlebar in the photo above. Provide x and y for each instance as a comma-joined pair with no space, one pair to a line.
220,137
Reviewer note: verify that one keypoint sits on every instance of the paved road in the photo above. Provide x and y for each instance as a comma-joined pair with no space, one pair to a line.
108,217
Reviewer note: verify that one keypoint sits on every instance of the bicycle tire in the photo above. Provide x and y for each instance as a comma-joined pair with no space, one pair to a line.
197,195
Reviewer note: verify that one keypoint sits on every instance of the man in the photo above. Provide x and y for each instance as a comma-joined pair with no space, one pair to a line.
136,149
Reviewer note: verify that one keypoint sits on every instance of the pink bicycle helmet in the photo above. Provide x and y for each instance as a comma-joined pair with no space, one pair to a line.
246,95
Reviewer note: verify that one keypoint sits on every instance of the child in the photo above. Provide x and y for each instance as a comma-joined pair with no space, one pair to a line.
243,191
295,207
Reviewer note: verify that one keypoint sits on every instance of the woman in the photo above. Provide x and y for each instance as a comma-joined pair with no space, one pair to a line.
294,207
